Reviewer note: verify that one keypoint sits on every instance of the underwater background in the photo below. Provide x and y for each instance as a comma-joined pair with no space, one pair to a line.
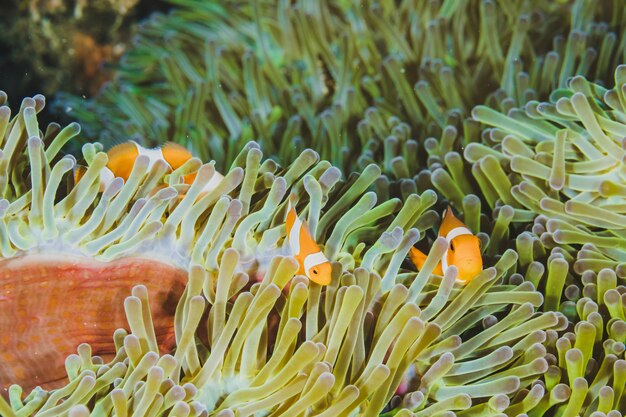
152,153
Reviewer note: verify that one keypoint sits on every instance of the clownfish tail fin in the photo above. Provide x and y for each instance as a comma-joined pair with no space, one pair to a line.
417,257
79,172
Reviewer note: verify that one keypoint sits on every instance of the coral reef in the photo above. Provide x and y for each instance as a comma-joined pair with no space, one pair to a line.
69,45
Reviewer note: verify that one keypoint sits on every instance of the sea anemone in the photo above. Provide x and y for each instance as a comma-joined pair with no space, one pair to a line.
562,163
318,363
567,162
220,322
359,82
282,345
62,263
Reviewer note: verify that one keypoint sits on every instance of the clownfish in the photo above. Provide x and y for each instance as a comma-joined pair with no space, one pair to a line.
313,263
463,250
122,160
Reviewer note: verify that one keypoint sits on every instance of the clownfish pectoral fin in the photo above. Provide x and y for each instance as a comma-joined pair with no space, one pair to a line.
417,257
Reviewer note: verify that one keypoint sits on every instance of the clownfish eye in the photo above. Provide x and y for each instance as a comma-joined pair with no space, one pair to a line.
452,246
315,272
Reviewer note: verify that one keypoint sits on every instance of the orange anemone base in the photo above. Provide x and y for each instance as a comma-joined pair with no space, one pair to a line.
51,304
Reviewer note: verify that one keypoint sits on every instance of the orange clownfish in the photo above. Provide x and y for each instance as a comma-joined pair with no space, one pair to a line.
313,262
122,160
463,251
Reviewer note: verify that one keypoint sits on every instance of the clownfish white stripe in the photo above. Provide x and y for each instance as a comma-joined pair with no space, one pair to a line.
213,182
152,154
444,262
294,236
314,259
457,231
106,177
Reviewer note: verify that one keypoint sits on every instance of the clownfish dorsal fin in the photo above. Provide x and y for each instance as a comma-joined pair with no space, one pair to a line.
291,208
293,226
122,158
449,222
122,149
292,200
175,155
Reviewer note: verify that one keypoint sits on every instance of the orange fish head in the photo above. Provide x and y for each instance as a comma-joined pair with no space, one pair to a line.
320,274
464,253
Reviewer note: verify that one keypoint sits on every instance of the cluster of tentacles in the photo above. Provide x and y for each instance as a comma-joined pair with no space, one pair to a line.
358,81
282,345
376,116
